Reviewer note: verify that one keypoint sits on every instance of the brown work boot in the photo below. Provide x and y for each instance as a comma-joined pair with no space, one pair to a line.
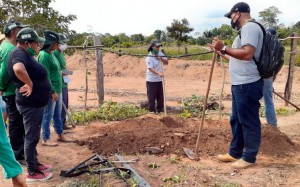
241,164
226,158
63,138
49,143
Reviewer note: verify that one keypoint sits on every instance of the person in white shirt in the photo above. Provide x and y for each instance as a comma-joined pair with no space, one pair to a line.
154,75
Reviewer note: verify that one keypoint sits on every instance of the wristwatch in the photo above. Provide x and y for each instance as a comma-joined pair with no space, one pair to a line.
223,50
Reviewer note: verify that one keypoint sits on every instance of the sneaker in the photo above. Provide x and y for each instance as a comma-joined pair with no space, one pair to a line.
241,164
49,143
38,177
226,158
44,167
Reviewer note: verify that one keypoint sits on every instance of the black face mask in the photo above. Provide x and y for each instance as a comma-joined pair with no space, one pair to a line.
234,25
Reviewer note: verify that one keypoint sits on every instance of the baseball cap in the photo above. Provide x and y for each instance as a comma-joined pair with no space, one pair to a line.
28,34
63,38
239,7
154,44
50,37
12,25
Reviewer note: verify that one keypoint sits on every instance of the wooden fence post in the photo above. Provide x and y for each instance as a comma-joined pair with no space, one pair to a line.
99,71
289,83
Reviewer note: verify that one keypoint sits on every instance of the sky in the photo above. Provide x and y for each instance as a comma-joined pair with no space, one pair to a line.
141,16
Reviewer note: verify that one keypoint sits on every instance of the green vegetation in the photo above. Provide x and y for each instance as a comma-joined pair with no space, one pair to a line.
193,105
153,165
170,51
282,111
109,111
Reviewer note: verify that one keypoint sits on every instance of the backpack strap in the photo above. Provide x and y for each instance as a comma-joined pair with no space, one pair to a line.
264,33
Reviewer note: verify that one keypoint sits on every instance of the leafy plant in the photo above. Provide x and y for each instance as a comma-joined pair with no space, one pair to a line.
110,111
153,165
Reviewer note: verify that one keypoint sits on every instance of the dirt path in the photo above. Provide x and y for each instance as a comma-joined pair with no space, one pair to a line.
278,161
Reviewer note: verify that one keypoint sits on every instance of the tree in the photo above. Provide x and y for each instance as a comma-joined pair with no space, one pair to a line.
179,30
37,13
269,16
137,38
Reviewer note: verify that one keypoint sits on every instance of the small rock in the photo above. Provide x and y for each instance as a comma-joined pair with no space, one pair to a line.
153,150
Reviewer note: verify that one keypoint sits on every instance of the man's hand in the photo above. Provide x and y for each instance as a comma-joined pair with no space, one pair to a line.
1,92
161,74
54,97
26,90
216,44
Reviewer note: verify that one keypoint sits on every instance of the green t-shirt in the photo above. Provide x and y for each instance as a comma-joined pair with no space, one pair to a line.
52,66
11,167
6,85
62,62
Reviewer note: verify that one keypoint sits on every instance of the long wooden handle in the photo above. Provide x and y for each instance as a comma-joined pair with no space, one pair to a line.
205,101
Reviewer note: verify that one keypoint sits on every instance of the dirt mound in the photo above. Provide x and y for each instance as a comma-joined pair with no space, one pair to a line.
170,134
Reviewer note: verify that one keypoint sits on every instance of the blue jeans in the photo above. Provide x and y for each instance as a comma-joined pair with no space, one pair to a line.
52,110
65,99
268,100
32,118
245,122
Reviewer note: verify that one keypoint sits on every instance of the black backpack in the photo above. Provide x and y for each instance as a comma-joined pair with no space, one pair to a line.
271,58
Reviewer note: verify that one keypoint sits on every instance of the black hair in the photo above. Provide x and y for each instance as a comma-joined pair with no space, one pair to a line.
150,49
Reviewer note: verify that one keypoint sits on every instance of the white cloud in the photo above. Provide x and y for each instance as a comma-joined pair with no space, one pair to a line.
140,16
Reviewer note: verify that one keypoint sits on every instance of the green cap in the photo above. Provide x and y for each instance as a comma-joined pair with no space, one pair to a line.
63,38
13,25
51,37
28,34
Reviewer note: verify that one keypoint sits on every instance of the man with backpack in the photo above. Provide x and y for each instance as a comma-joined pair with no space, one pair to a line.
246,86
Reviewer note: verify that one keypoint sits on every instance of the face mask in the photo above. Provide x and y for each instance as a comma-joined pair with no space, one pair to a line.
31,51
234,25
63,47
154,51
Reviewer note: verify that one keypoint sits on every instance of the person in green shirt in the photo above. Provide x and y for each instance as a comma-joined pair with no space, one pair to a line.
11,168
3,104
53,109
65,79
7,90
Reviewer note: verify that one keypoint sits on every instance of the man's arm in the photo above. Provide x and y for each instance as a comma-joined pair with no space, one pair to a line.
245,53
23,76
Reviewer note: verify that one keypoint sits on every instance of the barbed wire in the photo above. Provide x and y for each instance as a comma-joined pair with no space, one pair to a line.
147,55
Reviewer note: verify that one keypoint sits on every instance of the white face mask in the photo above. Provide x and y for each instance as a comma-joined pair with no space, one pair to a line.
63,47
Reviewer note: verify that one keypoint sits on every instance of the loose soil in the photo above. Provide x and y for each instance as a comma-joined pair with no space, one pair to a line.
278,162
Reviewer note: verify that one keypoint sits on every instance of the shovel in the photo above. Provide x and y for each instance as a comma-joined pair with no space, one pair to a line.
189,152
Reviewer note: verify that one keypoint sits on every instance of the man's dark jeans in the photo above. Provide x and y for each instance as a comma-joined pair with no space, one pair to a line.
155,93
65,99
32,121
15,127
244,120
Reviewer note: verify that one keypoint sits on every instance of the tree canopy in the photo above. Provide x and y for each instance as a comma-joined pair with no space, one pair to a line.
179,30
37,13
